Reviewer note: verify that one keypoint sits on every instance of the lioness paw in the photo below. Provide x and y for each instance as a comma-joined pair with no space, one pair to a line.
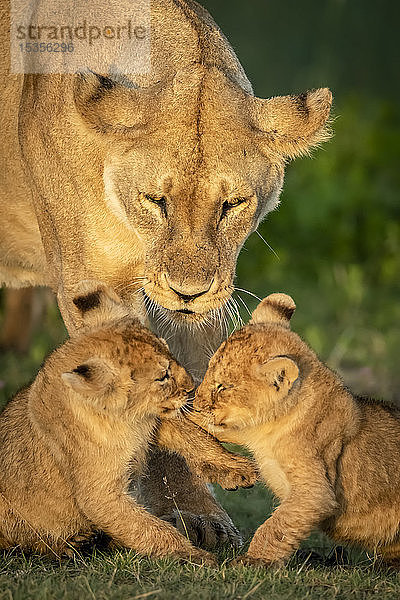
206,531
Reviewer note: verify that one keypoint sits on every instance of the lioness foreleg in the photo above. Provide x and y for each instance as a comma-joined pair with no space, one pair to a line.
178,495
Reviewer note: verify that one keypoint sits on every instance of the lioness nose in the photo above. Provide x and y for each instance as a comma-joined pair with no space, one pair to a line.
188,295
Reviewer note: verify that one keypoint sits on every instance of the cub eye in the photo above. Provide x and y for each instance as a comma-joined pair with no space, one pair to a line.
220,388
160,201
229,204
164,377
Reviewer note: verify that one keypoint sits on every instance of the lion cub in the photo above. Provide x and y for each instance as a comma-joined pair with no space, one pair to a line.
331,458
72,442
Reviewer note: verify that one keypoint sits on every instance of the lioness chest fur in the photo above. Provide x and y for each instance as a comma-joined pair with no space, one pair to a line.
73,442
331,458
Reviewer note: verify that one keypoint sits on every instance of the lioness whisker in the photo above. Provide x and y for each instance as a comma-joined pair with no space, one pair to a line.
220,313
235,304
229,310
268,245
244,303
225,322
237,289
125,286
233,312
141,289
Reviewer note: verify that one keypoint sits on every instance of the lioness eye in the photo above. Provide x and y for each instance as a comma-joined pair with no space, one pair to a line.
229,204
164,377
160,201
220,388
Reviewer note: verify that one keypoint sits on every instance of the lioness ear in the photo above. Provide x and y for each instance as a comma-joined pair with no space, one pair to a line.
94,377
275,308
292,125
111,105
96,304
279,373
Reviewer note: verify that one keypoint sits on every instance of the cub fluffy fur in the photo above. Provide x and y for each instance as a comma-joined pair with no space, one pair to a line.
331,458
72,443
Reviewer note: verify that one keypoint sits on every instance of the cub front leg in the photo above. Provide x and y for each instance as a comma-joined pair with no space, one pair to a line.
205,455
305,508
131,526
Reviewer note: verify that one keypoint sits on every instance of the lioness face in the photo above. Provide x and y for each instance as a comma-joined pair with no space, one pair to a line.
192,213
191,166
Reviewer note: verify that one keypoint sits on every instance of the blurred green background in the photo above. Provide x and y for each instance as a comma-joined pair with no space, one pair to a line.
337,231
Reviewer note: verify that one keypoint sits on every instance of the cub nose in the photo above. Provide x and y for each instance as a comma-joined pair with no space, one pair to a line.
184,380
189,293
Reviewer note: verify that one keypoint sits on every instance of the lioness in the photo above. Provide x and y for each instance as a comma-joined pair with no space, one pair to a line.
148,182
72,443
331,458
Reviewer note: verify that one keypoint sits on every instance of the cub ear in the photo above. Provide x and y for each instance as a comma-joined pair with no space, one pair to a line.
96,304
280,373
292,125
93,377
275,308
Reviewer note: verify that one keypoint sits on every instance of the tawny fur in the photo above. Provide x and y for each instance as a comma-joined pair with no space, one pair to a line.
331,458
74,442
85,166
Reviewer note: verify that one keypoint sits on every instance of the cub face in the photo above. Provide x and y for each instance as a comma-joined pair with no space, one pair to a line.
118,365
252,373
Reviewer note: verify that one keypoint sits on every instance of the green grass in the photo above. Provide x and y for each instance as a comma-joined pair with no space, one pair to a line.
123,575
18,370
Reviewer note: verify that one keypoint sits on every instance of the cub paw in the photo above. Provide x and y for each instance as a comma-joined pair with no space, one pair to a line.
252,561
85,542
241,472
207,531
199,557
